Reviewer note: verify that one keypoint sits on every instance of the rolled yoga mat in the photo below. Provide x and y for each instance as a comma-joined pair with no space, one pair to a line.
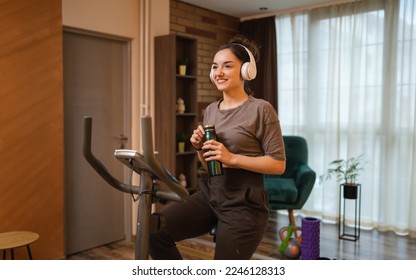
310,238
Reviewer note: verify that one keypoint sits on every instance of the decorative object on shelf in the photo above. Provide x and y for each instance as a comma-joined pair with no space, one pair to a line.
181,147
180,106
182,66
181,141
346,172
290,247
182,180
311,228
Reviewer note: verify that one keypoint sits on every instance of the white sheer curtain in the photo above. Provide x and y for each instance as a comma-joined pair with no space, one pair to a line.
346,78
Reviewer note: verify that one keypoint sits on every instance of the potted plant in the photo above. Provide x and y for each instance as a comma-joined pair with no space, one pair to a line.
181,140
182,63
346,172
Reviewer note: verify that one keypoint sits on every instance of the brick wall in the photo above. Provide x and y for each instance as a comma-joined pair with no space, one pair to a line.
211,29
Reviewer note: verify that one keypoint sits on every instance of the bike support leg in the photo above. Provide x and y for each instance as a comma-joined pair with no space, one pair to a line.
143,217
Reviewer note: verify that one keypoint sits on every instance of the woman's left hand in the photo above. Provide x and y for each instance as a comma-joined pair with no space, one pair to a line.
217,151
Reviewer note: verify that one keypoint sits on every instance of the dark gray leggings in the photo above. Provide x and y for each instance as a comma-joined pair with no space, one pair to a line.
235,201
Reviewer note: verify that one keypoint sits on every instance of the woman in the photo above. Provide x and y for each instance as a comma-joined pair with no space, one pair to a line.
249,145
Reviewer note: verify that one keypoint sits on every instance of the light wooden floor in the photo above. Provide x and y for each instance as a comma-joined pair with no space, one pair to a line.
372,245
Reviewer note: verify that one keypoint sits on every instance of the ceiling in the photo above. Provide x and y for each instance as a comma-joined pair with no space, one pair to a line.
251,8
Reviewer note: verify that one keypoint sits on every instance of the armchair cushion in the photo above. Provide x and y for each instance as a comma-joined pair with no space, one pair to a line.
286,192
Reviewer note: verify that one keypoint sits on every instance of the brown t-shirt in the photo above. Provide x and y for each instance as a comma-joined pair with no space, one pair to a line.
251,129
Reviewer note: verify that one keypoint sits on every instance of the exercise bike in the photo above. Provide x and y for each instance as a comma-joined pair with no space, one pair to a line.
149,192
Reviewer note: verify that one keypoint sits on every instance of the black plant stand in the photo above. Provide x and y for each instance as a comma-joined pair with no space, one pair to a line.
348,193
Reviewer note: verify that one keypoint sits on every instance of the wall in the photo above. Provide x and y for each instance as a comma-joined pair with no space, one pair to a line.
211,29
111,17
31,123
140,21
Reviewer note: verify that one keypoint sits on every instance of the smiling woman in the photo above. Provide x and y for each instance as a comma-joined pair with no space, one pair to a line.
248,145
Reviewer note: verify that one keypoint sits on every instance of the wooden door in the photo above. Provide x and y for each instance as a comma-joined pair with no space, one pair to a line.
95,84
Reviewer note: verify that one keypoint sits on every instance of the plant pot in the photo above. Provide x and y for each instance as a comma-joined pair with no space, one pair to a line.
350,191
181,147
182,70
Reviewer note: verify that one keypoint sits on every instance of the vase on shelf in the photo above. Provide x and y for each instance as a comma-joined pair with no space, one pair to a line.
182,70
180,106
181,147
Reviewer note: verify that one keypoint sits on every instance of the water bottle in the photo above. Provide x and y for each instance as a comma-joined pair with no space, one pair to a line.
214,166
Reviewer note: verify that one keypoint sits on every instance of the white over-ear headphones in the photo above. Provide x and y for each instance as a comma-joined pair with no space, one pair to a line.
248,69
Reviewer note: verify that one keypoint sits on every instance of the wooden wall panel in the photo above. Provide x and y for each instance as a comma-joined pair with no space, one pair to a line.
31,123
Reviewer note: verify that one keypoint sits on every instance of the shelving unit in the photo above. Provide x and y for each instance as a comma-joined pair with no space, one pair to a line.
169,87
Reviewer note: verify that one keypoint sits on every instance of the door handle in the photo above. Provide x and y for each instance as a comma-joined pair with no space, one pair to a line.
122,140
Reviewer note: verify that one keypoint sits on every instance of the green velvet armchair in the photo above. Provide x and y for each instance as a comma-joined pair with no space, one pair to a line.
291,189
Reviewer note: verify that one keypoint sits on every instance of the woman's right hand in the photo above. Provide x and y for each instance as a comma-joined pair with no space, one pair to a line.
197,138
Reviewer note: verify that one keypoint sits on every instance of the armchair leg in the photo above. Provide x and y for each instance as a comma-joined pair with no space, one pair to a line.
293,222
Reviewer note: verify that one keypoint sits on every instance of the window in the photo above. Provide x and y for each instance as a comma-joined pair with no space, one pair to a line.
346,81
